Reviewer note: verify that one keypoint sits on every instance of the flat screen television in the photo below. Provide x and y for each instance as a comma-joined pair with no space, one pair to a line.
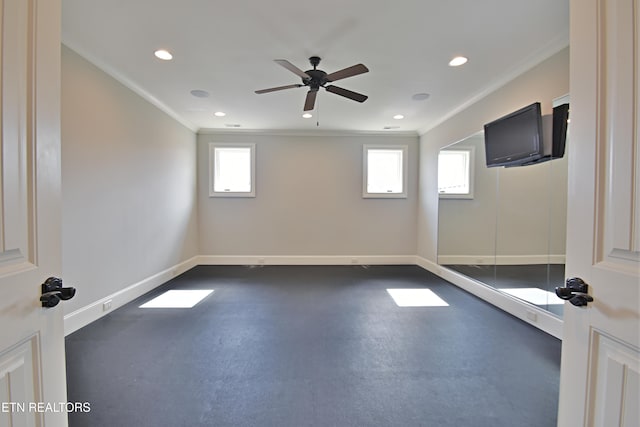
514,139
560,123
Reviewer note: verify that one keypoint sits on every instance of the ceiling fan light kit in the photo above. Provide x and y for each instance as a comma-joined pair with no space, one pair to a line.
315,79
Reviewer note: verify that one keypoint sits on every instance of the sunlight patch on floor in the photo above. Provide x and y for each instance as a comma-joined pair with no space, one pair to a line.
178,299
416,298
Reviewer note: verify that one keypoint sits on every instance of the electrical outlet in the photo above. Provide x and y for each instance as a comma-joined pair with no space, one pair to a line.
532,315
261,261
354,260
106,306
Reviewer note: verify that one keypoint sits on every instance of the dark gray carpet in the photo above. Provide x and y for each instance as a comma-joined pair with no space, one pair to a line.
313,346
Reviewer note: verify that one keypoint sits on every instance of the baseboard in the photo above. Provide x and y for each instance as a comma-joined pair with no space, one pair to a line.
466,259
500,259
92,312
518,308
305,259
529,313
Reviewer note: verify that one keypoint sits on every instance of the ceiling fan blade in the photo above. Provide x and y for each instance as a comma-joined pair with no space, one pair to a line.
273,89
311,100
354,70
289,66
347,93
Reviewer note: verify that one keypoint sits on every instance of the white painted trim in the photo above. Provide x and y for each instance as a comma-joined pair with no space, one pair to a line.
302,132
501,259
92,312
564,99
306,260
212,169
466,259
545,321
404,149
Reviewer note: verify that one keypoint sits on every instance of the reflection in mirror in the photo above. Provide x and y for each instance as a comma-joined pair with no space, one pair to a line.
509,232
466,225
526,259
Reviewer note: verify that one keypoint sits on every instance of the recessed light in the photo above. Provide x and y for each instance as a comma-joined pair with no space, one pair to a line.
307,115
398,117
457,61
420,96
165,55
391,127
198,93
232,125
219,114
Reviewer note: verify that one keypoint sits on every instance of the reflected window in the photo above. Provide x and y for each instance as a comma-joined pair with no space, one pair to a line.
455,173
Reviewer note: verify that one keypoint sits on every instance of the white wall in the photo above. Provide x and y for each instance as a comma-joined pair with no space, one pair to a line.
543,83
309,200
129,185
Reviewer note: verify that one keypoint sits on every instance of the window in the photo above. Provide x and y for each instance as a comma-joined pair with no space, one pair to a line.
455,173
385,171
232,170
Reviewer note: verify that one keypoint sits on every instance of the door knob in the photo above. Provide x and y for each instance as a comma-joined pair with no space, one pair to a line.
53,292
580,300
576,292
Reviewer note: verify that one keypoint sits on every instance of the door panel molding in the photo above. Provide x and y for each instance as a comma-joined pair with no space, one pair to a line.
17,136
20,384
618,174
614,380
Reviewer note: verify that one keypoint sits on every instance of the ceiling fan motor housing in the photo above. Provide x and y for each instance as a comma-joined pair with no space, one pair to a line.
318,77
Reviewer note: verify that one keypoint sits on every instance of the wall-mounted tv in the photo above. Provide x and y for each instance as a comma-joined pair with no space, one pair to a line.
514,139
560,124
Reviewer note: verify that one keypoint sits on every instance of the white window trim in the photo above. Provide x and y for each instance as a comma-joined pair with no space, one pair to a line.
212,192
405,172
472,162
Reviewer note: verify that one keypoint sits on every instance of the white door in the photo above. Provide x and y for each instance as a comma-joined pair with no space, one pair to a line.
32,366
600,375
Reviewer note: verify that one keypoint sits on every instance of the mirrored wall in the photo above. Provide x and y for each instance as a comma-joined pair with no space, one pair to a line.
508,228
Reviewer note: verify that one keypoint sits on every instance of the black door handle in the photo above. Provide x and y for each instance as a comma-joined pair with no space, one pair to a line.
576,292
580,300
53,292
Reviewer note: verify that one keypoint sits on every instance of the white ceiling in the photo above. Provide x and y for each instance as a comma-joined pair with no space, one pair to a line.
227,48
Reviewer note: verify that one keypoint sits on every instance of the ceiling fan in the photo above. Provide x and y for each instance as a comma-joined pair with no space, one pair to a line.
316,79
